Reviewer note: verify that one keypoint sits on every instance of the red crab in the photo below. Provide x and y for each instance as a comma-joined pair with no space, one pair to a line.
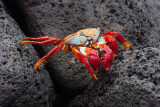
83,44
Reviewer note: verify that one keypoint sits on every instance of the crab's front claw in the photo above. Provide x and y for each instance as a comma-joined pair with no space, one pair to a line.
107,57
83,59
94,60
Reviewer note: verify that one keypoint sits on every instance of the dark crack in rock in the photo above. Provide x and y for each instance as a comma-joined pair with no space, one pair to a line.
19,85
133,80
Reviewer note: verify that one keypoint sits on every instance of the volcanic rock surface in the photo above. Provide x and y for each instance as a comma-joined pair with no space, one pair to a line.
19,85
133,79
134,19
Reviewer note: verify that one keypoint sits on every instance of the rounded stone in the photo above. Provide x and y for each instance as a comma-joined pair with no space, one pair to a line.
19,85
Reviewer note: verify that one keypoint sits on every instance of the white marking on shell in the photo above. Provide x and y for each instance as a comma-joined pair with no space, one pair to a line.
101,40
86,43
97,35
82,50
77,40
63,47
89,38
82,34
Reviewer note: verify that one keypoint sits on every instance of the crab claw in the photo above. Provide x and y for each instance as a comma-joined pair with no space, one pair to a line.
94,60
107,57
83,60
93,56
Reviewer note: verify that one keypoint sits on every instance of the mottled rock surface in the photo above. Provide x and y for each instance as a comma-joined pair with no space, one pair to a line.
133,80
19,85
134,19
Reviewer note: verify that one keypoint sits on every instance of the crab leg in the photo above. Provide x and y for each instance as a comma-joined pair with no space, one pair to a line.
114,47
38,39
46,39
83,60
120,39
56,48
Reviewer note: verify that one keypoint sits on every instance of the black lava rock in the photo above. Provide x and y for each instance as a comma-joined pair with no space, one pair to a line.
133,19
133,80
19,85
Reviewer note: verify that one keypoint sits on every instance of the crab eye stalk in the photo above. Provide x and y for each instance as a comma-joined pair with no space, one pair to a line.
95,37
98,29
82,34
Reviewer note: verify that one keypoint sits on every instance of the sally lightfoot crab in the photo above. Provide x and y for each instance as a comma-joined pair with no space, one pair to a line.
83,44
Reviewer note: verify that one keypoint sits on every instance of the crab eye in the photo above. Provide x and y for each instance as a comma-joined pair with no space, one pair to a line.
82,34
98,29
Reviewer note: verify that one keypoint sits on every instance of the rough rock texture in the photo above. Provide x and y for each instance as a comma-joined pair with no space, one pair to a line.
154,8
19,85
132,18
134,76
133,81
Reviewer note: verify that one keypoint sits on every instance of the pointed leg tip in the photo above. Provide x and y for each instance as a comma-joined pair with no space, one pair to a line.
35,68
95,77
128,49
127,45
107,69
114,56
26,38
22,43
